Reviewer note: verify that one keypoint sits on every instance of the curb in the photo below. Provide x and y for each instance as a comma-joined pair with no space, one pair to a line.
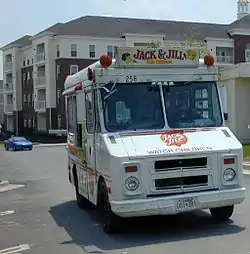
4,183
49,145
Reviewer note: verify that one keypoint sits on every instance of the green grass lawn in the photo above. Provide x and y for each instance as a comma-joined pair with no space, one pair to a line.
246,151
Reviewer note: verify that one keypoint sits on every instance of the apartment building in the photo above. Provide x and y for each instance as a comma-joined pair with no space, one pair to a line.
1,103
35,67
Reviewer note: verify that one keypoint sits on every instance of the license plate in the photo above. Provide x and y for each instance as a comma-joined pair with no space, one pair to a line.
187,204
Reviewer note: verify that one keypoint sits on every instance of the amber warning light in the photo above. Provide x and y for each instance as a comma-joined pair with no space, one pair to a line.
105,61
209,60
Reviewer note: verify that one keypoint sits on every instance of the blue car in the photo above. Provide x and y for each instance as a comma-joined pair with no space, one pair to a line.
17,144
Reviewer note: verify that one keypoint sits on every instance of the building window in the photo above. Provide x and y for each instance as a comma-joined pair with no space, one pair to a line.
30,123
32,60
247,53
58,69
28,76
58,96
224,55
73,69
59,122
29,99
28,62
57,50
73,49
33,123
33,100
110,51
92,51
24,63
24,98
24,78
25,123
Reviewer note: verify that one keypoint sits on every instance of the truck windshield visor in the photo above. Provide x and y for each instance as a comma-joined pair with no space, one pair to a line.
194,104
135,106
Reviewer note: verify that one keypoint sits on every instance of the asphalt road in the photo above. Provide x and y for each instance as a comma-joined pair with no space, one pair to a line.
42,217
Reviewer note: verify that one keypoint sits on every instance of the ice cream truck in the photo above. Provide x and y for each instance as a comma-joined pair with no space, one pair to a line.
146,136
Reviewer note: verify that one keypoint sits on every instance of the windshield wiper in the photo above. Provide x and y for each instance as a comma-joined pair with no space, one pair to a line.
110,92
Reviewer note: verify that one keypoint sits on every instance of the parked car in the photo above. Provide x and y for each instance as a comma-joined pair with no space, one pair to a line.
17,144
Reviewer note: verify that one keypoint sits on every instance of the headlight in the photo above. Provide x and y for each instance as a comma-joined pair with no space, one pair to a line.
132,183
229,175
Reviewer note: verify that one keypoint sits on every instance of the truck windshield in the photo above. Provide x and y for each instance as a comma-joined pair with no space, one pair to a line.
132,107
194,104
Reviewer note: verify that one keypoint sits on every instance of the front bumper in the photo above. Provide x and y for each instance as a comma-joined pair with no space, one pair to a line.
167,205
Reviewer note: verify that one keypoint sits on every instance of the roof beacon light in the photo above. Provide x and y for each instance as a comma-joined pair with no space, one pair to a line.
209,60
105,61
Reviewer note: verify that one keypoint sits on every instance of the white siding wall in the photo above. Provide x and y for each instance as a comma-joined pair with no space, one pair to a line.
242,107
83,46
230,85
17,81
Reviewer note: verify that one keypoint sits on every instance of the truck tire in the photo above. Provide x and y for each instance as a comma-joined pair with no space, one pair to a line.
222,214
111,223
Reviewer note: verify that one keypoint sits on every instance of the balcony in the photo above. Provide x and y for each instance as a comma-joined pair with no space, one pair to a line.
8,87
40,106
8,108
40,58
8,66
224,59
40,81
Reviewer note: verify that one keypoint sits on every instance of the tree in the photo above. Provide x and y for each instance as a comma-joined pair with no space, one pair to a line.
192,41
189,41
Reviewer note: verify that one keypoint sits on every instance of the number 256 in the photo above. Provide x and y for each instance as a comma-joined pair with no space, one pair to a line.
131,79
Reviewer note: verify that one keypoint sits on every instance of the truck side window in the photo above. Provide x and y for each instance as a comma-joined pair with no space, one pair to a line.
79,136
89,112
97,116
71,115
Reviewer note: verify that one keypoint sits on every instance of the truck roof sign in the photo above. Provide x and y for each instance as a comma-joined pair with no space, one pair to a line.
160,56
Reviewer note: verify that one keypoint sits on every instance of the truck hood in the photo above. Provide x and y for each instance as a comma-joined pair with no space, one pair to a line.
144,144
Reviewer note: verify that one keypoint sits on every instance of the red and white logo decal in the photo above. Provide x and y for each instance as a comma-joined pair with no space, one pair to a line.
174,138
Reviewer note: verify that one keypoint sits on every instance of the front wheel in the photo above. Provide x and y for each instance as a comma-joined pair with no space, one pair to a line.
111,223
222,213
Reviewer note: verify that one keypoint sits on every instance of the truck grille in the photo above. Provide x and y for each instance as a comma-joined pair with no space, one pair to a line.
190,163
181,182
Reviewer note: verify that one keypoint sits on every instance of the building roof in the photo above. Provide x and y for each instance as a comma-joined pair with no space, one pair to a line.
93,26
243,23
21,42
174,30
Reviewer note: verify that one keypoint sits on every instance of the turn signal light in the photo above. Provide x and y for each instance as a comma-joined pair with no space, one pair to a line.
131,169
228,161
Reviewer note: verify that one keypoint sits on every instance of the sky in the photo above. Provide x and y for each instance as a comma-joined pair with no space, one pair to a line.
31,16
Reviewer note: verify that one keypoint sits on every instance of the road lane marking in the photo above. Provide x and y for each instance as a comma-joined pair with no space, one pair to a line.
7,212
15,249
